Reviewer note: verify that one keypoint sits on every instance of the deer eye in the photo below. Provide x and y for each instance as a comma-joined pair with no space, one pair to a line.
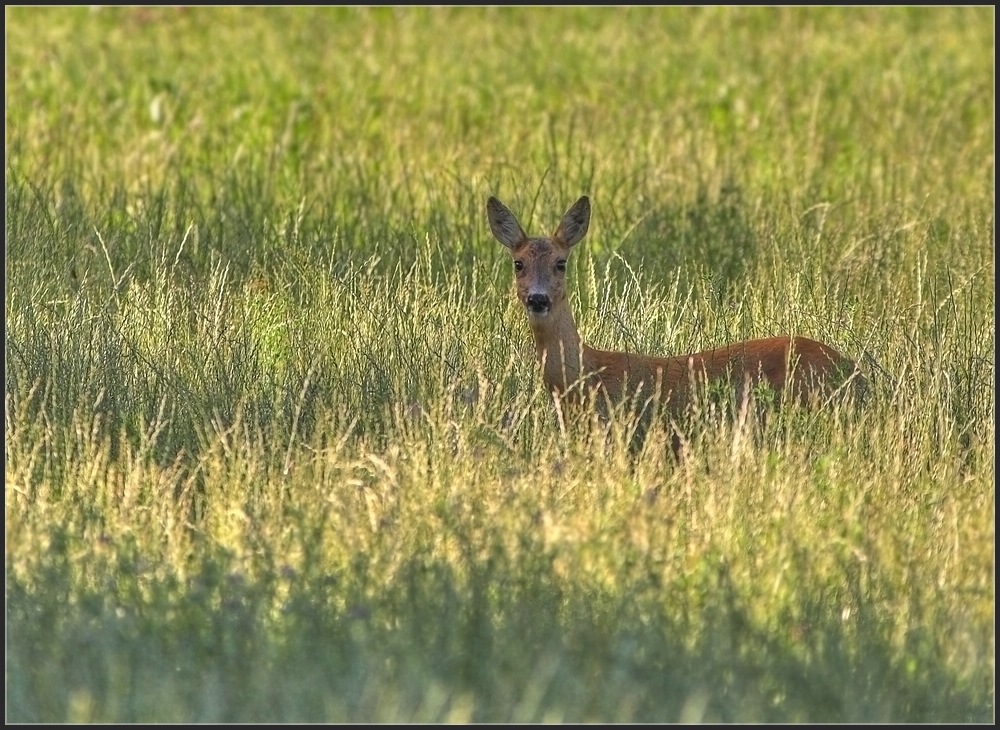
518,265
561,265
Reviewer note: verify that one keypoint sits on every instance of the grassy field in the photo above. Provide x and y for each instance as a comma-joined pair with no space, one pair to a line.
276,449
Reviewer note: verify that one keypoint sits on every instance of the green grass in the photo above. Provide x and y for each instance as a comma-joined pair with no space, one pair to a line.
276,449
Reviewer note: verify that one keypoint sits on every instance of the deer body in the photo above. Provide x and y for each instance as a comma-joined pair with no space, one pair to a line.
784,363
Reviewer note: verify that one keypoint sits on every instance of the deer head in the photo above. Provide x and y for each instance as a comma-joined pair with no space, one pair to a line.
539,263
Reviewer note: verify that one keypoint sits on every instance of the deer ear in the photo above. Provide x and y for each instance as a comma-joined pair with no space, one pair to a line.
574,224
503,224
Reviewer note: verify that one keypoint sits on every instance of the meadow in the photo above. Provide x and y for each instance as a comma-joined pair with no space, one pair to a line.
276,446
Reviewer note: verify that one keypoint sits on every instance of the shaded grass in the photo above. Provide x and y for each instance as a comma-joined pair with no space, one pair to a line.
275,447
395,581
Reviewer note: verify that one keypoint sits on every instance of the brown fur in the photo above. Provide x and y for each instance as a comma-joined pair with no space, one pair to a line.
816,368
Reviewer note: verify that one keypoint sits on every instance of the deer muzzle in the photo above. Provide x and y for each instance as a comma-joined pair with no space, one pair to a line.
538,305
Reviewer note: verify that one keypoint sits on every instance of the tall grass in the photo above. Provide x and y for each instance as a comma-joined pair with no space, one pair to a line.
275,445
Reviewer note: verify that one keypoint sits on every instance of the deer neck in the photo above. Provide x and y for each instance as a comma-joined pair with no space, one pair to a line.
558,347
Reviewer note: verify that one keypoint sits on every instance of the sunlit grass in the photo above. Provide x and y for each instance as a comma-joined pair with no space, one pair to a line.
275,445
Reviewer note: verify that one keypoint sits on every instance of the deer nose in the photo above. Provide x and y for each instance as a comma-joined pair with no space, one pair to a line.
538,303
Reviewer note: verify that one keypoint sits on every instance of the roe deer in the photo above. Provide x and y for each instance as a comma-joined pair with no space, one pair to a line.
804,366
